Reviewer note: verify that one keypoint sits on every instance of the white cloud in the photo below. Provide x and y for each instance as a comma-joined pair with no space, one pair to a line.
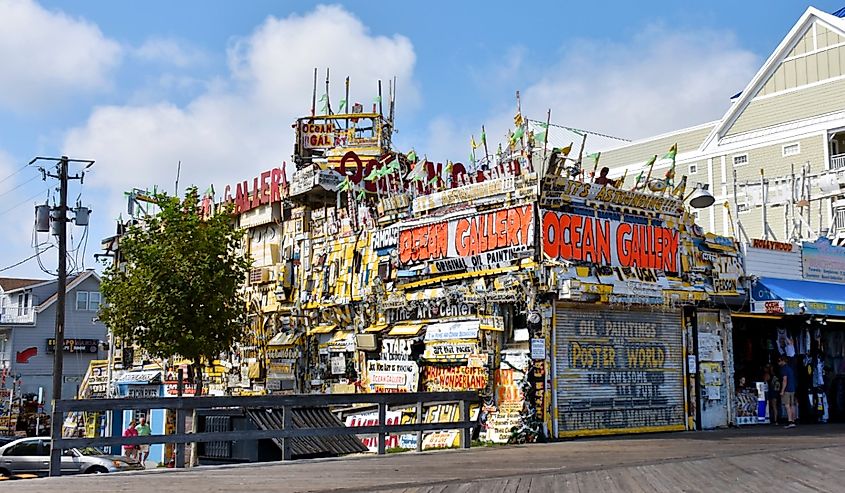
47,55
242,123
170,52
658,81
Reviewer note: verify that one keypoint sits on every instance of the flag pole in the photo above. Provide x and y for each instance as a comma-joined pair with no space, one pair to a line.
314,96
328,100
546,137
347,110
484,141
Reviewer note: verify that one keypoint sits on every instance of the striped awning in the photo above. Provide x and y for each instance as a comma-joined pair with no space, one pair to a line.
407,330
322,329
376,328
284,339
425,294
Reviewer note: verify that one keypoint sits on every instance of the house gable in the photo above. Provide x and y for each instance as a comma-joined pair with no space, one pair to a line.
804,77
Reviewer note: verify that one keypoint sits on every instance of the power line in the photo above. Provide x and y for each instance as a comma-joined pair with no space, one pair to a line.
18,186
37,253
581,131
22,202
14,173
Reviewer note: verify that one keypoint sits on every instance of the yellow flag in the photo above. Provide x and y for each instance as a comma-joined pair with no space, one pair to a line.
517,120
473,144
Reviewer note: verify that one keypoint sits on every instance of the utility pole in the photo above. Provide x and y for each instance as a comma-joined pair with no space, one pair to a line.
59,220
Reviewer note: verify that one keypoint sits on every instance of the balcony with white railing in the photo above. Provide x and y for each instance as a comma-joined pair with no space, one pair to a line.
837,161
11,315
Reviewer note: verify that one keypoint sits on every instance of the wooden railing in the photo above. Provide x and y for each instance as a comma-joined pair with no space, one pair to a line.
283,402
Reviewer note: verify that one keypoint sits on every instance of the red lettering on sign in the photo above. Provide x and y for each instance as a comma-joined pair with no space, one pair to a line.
612,243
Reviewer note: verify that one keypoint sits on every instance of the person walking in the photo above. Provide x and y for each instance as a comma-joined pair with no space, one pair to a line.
772,393
144,431
787,389
131,451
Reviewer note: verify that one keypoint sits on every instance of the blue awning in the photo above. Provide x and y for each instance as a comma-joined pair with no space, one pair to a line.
772,295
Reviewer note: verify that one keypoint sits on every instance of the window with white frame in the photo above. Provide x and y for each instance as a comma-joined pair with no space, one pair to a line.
88,301
82,300
693,168
791,149
23,304
740,159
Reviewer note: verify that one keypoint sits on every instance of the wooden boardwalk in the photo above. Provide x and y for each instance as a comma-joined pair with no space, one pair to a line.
809,458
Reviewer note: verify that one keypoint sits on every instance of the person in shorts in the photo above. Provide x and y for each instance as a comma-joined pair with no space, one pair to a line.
131,451
144,431
787,389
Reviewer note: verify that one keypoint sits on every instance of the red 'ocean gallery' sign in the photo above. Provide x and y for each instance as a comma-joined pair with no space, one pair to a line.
608,242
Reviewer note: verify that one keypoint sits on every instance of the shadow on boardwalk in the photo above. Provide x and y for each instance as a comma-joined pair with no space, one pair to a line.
809,458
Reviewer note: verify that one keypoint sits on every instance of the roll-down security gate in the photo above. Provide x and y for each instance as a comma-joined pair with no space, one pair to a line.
618,371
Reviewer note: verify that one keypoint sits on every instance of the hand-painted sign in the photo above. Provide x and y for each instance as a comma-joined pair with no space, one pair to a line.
453,378
321,135
773,245
464,194
384,238
266,188
823,261
609,242
452,330
564,191
450,350
482,237
392,376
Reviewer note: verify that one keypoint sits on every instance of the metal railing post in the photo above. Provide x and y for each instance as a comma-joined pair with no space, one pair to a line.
420,419
466,433
180,421
382,423
287,424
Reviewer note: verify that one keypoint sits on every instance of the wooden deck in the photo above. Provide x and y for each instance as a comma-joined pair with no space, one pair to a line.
808,458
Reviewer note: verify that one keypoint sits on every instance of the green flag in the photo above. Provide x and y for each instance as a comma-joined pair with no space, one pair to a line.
373,176
345,184
412,156
483,137
673,151
520,131
361,194
540,136
393,166
433,181
377,99
342,105
595,156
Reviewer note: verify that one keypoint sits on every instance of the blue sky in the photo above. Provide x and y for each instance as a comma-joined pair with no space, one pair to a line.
139,86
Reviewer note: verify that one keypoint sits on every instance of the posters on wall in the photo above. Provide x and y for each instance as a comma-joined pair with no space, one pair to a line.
562,192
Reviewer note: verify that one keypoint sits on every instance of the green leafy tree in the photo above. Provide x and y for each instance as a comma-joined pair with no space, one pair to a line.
175,290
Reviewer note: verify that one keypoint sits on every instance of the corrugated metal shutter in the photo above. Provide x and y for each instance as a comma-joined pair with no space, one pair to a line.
618,371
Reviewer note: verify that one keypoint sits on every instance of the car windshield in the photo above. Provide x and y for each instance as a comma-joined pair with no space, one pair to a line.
90,451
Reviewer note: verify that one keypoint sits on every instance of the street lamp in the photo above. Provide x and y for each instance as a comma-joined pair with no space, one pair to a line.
700,197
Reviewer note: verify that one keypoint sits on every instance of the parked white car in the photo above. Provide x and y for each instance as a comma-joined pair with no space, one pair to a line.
32,456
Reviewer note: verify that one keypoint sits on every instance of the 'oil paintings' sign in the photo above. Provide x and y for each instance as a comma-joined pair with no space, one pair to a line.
608,242
481,239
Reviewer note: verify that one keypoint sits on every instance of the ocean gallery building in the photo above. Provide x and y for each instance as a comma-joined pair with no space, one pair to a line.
589,306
